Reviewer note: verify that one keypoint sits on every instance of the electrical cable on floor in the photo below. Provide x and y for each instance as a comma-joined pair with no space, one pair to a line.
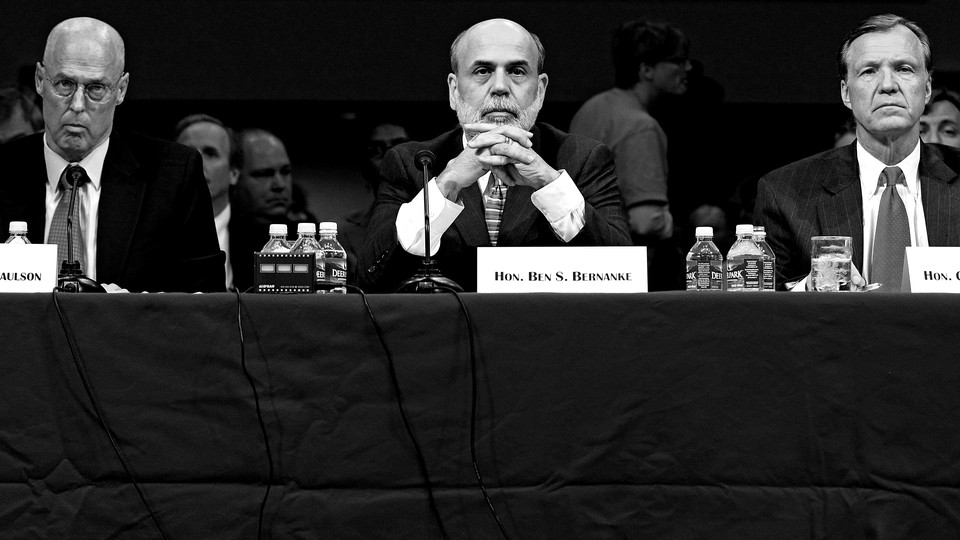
256,401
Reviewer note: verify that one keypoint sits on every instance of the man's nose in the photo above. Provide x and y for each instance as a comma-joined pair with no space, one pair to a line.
933,136
77,100
888,81
279,182
499,83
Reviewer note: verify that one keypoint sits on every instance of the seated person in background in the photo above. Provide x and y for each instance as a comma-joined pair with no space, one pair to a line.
353,231
143,219
940,122
846,133
222,160
887,191
19,116
503,180
262,195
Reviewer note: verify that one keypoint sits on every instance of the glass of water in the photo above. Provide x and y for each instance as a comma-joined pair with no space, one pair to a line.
830,262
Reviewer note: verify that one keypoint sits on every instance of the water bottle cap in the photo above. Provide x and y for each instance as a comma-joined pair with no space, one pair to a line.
744,229
18,227
759,228
306,228
278,228
704,231
327,226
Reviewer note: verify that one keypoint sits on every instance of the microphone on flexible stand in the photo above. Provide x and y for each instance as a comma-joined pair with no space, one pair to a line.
71,278
428,278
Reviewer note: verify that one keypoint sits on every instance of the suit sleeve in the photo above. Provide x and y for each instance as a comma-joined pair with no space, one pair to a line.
768,212
199,262
604,222
382,262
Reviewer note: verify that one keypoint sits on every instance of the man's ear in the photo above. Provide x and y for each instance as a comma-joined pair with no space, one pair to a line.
845,94
453,91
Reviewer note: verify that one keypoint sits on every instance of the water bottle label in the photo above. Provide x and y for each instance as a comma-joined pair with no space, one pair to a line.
334,270
705,275
744,274
769,276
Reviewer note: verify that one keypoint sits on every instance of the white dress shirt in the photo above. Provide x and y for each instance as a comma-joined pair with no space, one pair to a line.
222,221
559,201
88,197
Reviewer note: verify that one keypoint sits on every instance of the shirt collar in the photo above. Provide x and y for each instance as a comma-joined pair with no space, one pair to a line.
92,163
871,167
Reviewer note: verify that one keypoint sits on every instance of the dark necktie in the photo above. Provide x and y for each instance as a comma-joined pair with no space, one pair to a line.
893,232
493,208
58,226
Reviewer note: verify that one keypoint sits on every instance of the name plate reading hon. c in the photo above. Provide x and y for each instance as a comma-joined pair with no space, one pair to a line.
932,269
28,267
585,269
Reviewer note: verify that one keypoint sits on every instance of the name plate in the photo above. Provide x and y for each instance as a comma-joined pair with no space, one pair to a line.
931,269
574,269
28,267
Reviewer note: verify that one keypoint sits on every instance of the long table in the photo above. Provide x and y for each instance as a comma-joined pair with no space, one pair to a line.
662,415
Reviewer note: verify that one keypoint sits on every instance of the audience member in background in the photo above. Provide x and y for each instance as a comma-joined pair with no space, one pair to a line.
144,220
262,195
501,178
846,133
887,191
650,61
19,115
940,122
353,230
222,161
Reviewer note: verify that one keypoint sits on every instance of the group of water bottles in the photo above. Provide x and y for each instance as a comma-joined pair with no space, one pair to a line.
750,264
331,259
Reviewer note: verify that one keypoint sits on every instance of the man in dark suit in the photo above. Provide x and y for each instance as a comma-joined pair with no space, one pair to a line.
144,220
887,190
504,181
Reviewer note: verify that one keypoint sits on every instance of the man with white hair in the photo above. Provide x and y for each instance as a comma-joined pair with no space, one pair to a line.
143,218
503,180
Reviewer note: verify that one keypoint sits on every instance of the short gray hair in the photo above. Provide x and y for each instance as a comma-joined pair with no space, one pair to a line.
454,65
883,23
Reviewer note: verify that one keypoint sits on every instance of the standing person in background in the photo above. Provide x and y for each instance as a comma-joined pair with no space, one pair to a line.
650,61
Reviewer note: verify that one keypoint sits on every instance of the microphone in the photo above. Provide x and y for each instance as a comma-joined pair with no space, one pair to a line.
428,279
71,278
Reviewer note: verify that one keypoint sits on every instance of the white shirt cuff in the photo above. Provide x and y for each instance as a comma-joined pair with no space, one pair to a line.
410,232
562,204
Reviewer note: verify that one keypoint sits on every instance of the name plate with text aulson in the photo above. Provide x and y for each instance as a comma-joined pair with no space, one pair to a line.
932,269
28,267
583,269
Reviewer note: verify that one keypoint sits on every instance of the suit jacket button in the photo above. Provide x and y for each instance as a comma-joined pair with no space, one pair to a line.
372,269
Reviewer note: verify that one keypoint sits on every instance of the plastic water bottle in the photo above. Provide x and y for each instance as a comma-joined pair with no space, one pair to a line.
18,233
278,242
307,243
332,260
768,273
744,262
704,263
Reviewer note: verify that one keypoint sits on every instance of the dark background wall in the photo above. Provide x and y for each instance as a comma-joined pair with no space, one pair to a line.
319,71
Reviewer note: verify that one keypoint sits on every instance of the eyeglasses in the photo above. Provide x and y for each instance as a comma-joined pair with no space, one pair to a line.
95,92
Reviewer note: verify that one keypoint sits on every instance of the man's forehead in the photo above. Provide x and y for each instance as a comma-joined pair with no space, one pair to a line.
204,130
497,41
898,40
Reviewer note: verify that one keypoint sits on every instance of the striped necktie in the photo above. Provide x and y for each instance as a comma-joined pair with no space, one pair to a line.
58,226
893,232
493,202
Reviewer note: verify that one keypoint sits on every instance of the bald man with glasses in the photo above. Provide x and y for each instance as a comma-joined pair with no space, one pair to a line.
144,220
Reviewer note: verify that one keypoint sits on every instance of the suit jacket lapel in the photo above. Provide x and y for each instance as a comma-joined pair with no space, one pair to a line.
121,197
840,211
941,207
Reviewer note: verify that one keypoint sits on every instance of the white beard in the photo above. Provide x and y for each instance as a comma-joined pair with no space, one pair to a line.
522,118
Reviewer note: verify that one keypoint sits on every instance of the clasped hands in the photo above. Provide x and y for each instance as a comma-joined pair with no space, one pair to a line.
504,150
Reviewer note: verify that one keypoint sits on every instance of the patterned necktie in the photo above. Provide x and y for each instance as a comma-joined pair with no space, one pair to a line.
493,208
893,232
58,227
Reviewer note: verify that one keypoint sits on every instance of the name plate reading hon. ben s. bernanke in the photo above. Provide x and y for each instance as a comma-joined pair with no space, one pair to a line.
583,269
931,269
28,267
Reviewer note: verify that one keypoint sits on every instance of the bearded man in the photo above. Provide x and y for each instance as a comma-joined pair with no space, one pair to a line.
508,181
